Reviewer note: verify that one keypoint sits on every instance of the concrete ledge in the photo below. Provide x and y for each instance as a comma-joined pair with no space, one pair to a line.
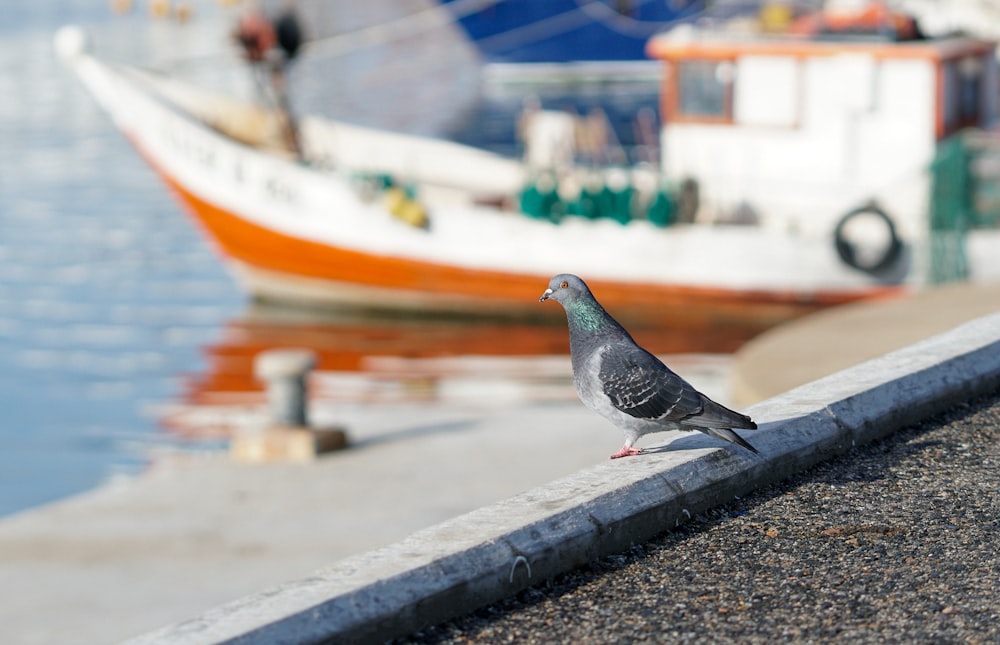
491,553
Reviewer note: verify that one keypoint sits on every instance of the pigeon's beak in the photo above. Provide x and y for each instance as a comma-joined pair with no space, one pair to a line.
545,296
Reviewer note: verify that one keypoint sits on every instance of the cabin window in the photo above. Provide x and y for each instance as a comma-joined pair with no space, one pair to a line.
704,89
962,93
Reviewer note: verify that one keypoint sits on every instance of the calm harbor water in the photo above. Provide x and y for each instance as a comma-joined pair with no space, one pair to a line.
110,300
106,291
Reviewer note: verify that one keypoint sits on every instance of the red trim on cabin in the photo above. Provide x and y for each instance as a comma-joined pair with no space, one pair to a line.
939,52
939,126
664,48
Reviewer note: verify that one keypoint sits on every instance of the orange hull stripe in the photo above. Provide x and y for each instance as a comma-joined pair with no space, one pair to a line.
268,249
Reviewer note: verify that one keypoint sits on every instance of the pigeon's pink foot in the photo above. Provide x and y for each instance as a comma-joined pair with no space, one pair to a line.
626,451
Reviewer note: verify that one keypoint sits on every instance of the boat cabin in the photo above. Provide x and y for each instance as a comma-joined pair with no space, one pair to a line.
794,132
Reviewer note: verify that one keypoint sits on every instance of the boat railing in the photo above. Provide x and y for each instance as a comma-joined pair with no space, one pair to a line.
965,195
981,151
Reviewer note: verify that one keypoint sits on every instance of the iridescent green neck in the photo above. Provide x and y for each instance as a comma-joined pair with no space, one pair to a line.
587,316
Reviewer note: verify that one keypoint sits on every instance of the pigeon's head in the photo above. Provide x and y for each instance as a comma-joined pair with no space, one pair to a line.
565,288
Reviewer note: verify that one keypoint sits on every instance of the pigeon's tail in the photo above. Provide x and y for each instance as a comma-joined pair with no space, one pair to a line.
728,435
713,415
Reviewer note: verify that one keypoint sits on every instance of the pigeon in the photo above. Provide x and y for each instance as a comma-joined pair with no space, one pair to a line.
626,384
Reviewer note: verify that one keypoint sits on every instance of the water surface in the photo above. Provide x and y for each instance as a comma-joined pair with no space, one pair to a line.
111,302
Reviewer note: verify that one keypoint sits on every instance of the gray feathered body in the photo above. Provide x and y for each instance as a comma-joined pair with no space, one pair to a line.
632,388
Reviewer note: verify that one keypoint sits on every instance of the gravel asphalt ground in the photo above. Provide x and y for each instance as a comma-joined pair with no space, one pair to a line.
896,542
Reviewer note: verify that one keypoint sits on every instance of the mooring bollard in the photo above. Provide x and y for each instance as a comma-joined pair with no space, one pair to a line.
285,373
287,435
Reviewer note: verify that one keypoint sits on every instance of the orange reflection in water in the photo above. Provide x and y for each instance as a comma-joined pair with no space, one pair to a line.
355,343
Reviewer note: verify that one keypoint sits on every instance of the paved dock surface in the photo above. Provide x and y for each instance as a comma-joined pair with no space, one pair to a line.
896,542
812,347
198,531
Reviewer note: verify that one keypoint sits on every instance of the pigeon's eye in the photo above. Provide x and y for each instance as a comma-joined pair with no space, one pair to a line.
563,285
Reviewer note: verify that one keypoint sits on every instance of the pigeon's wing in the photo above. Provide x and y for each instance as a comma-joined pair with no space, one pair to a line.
638,384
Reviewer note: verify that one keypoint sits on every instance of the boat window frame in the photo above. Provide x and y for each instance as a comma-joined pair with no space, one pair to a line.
672,99
952,116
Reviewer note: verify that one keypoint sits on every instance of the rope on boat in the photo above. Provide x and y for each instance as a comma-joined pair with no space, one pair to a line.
343,43
398,29
627,25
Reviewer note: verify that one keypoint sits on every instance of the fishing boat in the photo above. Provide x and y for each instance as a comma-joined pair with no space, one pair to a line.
794,176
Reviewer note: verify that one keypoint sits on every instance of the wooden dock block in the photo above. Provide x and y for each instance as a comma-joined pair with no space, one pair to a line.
285,444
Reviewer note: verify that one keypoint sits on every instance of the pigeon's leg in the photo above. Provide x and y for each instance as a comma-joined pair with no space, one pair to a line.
626,451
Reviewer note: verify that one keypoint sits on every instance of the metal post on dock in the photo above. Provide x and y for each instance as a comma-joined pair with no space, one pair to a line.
287,435
285,373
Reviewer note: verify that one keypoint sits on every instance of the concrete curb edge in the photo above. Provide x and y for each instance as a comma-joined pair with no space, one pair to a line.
455,567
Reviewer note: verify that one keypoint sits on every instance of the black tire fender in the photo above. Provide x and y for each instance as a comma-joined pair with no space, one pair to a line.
849,255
